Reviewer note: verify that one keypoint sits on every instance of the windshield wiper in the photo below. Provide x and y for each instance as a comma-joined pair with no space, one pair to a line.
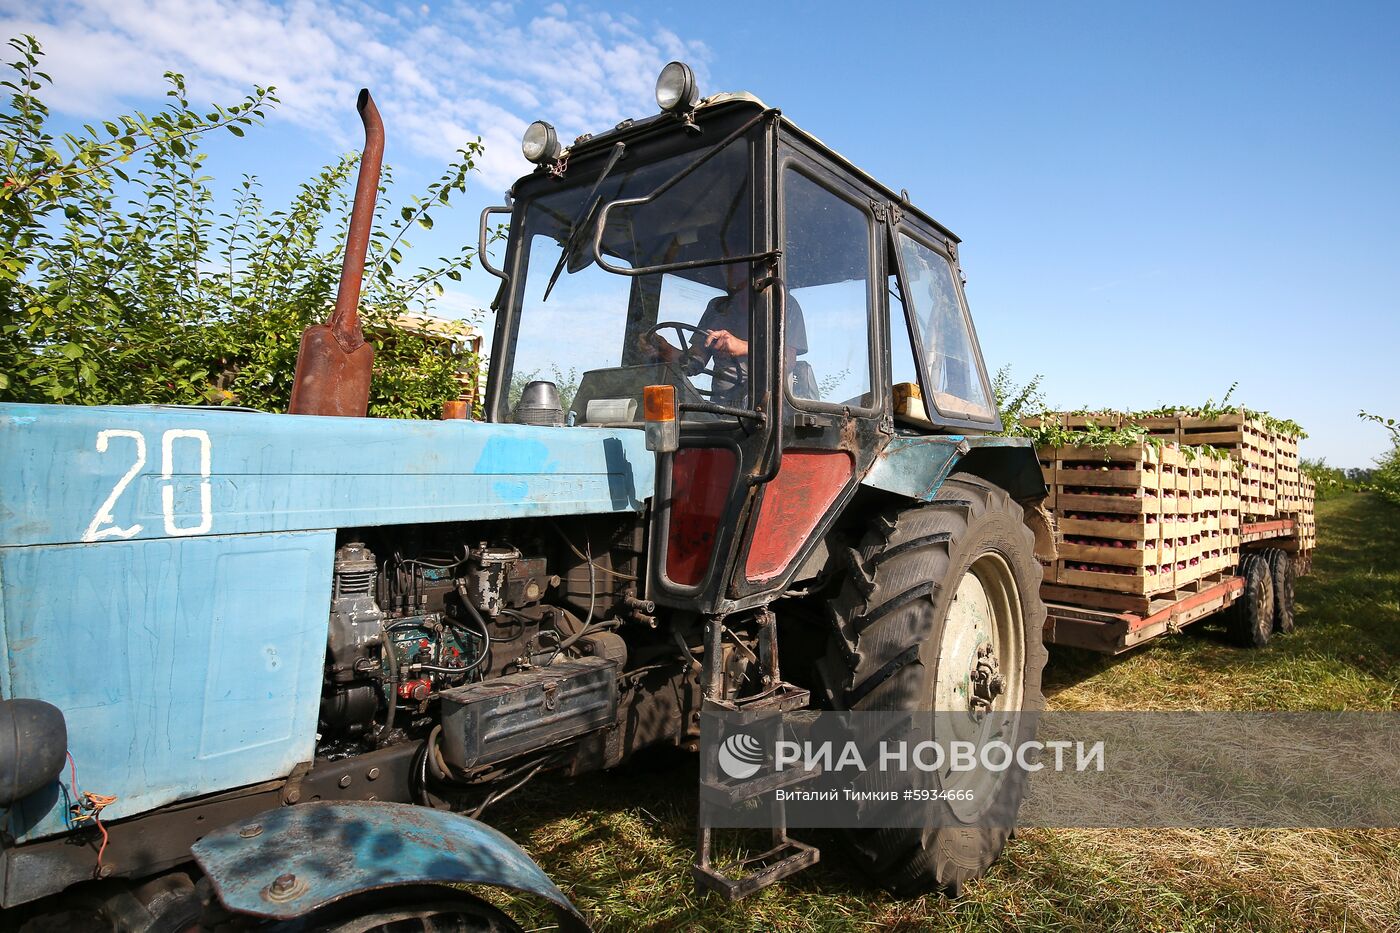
582,220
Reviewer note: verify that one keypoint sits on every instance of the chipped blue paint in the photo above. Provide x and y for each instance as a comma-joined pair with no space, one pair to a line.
165,573
335,850
916,465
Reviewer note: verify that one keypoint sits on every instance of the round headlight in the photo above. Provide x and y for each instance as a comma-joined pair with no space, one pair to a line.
540,144
675,88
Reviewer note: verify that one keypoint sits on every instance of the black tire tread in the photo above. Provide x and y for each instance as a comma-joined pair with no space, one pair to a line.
1251,618
880,629
1283,573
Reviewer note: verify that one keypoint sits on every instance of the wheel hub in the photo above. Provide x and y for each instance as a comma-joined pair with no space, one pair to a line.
986,680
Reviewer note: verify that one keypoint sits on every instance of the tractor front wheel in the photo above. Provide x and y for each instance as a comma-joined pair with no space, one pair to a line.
942,614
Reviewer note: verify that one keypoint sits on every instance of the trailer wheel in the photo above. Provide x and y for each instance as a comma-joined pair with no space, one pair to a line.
935,589
1251,618
1283,573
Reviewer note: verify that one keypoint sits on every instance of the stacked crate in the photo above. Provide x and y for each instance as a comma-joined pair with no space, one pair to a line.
1208,508
1129,519
1231,520
1305,516
1158,518
1286,467
1181,526
1250,443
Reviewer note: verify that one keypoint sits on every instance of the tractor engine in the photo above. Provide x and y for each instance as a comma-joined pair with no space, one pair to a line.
478,647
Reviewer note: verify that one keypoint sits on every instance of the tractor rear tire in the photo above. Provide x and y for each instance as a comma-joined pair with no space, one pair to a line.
1251,618
1283,573
889,653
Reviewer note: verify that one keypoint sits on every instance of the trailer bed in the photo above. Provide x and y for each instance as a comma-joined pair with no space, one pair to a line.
1114,622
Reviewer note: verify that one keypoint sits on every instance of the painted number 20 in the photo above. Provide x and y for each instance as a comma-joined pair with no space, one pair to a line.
103,525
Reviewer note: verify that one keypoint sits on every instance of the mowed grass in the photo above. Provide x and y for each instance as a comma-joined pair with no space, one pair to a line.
620,844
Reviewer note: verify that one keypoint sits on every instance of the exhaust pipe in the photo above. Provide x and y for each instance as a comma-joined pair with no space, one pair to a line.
335,363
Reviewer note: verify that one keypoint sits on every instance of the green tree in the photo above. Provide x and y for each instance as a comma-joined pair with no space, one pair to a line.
121,282
1385,478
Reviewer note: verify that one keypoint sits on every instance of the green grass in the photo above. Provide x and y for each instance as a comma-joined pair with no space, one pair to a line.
620,844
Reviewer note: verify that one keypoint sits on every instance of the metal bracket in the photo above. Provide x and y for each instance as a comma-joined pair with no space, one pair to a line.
886,211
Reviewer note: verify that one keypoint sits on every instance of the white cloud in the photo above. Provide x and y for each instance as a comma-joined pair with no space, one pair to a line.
442,73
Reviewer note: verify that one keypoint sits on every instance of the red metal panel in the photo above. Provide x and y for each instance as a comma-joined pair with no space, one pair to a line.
701,478
793,504
1185,606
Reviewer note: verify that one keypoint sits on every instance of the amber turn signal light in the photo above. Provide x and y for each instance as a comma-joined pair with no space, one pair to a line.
659,410
659,403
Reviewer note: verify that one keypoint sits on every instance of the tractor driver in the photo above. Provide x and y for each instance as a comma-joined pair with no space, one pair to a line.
723,337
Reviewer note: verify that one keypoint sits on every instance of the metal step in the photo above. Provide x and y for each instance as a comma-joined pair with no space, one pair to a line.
783,698
786,859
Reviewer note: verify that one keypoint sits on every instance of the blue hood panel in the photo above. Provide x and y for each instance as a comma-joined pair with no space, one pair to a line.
70,474
165,573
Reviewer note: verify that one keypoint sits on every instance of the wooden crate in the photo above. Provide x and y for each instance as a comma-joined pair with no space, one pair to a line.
1079,420
1229,430
1050,418
1111,508
1167,428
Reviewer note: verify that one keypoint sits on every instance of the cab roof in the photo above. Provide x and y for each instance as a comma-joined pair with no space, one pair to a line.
744,100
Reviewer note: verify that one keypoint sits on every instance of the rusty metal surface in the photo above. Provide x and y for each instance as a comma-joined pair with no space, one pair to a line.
310,855
1115,632
334,364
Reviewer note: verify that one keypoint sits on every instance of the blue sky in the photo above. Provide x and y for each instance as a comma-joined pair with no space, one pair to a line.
1156,200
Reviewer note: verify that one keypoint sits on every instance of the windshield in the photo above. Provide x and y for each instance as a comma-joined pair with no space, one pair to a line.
602,337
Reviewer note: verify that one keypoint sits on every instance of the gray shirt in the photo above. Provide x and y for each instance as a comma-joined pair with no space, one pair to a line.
731,313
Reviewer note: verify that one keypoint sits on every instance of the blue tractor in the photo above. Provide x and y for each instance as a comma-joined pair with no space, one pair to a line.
738,453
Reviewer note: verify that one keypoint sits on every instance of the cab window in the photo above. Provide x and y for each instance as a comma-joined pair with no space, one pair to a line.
955,367
827,257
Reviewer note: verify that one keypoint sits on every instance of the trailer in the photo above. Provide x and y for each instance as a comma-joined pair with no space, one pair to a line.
1202,516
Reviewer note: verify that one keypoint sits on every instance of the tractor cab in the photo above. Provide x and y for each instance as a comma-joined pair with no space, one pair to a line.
797,314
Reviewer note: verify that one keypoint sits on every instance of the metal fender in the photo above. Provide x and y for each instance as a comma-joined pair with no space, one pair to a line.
917,466
290,861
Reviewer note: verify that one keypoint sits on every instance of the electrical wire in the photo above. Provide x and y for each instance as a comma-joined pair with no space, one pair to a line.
592,604
580,555
499,795
89,808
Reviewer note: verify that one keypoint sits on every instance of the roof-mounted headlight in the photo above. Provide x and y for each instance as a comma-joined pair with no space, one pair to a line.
676,91
541,143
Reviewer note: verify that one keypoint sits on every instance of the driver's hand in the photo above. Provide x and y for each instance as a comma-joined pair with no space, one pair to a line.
722,341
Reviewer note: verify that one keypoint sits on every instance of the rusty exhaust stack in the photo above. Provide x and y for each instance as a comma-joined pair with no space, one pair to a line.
335,362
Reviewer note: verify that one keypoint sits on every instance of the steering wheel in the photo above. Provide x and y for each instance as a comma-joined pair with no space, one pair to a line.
680,327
